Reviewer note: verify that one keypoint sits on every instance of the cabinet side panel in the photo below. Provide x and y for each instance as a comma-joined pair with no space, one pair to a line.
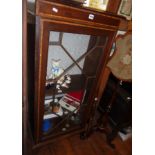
30,63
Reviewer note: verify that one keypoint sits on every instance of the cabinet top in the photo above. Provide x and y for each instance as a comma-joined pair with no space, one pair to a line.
78,5
73,12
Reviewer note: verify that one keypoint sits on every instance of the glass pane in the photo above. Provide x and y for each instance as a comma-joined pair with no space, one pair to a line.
92,61
73,62
76,44
54,36
57,57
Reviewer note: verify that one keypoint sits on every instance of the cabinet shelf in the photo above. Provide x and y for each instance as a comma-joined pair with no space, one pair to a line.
77,83
63,124
58,133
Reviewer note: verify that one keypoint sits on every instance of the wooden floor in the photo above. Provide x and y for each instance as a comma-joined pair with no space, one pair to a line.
94,145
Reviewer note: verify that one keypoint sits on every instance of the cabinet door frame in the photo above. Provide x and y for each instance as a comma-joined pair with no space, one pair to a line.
43,26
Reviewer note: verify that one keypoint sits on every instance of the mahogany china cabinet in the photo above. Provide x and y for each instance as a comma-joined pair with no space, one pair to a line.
68,48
